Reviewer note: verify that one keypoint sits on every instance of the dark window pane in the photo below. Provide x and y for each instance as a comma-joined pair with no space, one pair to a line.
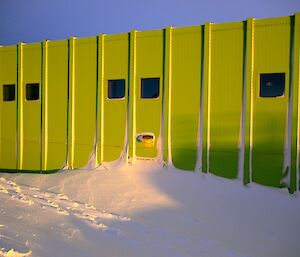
272,84
116,88
9,92
32,91
150,88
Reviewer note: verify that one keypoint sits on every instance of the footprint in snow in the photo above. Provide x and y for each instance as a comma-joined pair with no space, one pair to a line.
60,203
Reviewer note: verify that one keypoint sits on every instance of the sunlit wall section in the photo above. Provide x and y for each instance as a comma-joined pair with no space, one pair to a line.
185,84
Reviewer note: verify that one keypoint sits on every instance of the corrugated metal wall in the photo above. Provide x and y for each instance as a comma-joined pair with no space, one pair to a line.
193,97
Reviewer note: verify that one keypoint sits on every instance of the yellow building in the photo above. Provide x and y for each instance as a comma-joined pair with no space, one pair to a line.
220,98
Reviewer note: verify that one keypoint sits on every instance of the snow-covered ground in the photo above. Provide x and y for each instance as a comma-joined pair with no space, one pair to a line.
144,210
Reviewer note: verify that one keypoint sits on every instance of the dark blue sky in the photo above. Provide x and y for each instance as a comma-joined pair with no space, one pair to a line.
36,20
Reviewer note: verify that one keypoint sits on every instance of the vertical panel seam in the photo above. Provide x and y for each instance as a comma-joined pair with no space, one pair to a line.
132,97
242,133
96,134
248,101
41,100
209,45
20,108
287,161
73,95
71,104
170,96
102,101
251,80
199,164
297,84
44,107
166,104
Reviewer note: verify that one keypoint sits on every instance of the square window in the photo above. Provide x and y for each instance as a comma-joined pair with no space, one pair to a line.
32,91
116,89
150,88
9,92
272,84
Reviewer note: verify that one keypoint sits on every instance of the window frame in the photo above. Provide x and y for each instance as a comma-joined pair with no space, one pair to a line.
108,89
27,85
260,85
141,88
4,94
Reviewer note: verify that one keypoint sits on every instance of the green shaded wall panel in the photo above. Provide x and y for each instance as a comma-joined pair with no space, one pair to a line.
30,156
55,106
8,109
185,95
267,169
114,111
227,45
149,64
83,110
270,114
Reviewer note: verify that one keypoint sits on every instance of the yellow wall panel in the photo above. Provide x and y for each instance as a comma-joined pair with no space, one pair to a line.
185,95
82,108
55,102
29,158
8,109
271,55
149,64
225,98
113,111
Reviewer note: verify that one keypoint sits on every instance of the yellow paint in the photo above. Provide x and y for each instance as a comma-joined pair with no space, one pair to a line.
225,94
114,111
271,55
54,107
185,95
30,110
149,64
82,110
8,109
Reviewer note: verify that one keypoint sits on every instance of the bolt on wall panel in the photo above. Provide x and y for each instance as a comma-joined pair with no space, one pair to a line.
8,107
30,108
112,106
225,98
185,95
82,100
148,107
55,100
270,119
